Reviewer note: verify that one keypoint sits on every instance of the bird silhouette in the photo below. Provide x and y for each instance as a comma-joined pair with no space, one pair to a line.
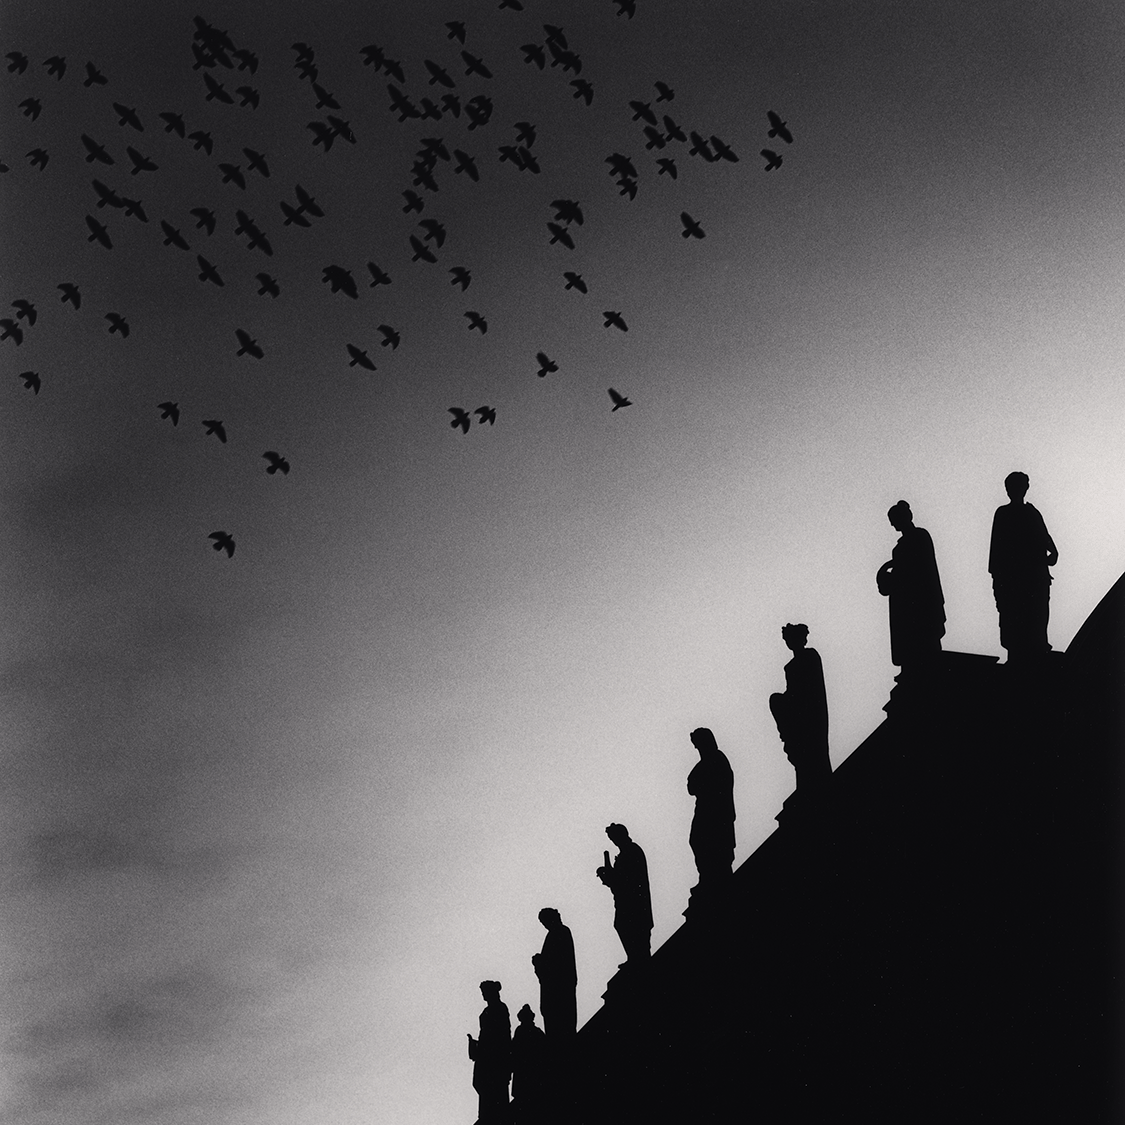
619,400
117,323
170,410
359,357
38,157
31,107
25,310
214,426
394,69
672,131
247,60
127,116
141,163
626,8
556,35
435,231
106,195
56,65
341,128
324,100
422,177
373,56
478,110
70,293
772,159
293,215
421,251
456,31
438,74
574,281
692,229
31,380
341,281
473,65
205,219
134,209
202,140
248,96
257,162
614,320
433,147
451,103
401,104
568,60
268,285
547,366
172,236
95,151
208,271
307,203
430,111
723,151
777,128
655,138
699,147
461,276
223,542
391,338
232,173
476,321
98,233
627,187
667,165
249,347
173,123
525,133
276,462
534,54
465,163
643,111
11,331
17,62
304,52
583,90
559,234
666,92
528,162
460,418
620,165
378,277
216,91
485,414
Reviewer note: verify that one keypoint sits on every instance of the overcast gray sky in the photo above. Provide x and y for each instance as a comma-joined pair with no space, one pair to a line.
267,820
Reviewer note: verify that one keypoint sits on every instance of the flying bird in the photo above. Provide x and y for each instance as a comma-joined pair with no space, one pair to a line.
249,347
306,69
619,400
172,236
699,147
293,215
378,276
723,151
777,128
31,380
170,410
106,195
12,331
70,293
223,542
341,128
421,251
666,92
359,357
134,209
772,159
216,90
38,156
307,203
435,231
323,134
56,65
17,62
642,110
621,165
461,276
269,285
206,219
583,90
456,31
391,338
31,107
117,323
324,100
438,74
98,233
94,151
94,76
525,133
173,123
208,271
574,281
304,52
476,321
527,161
401,104
394,69
202,141
559,234
473,65
626,8
672,131
655,138
556,35
533,53
257,162
568,211
127,116
248,96
434,146
232,173
451,103
341,280
692,229
466,164
485,414
276,462
547,366
247,60
667,165
141,163
628,187
460,418
614,320
25,310
373,56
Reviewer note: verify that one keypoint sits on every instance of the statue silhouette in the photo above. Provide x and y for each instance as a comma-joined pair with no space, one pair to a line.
801,712
711,783
529,1069
627,878
1019,555
558,978
492,1057
912,583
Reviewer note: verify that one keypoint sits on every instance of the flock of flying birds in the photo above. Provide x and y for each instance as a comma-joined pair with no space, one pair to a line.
214,50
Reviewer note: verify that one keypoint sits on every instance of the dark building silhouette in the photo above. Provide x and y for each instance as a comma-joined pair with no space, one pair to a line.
1020,552
492,1057
941,943
801,713
555,967
627,877
911,581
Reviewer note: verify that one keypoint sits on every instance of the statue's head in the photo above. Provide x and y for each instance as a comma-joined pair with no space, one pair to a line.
703,740
525,1014
490,990
900,515
550,917
618,833
1016,485
795,636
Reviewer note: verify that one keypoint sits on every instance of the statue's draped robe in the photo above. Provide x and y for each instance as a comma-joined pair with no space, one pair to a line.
632,901
802,718
492,1062
711,782
558,983
1021,580
917,609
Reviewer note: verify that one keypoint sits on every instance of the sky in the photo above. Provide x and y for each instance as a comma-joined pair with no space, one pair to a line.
267,819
